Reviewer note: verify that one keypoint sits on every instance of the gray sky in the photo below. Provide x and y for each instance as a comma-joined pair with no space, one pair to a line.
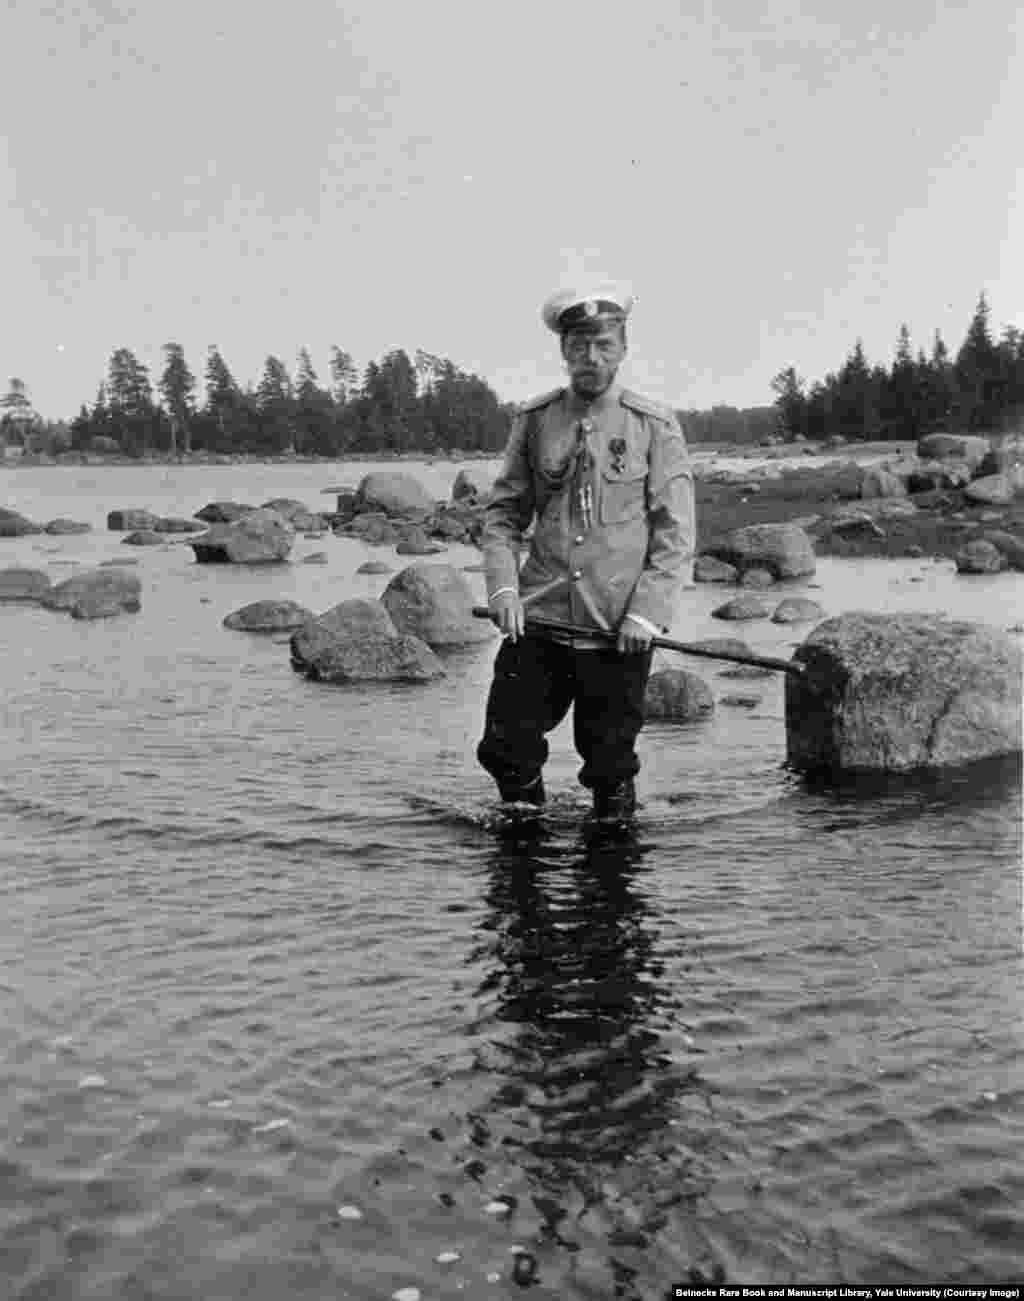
774,179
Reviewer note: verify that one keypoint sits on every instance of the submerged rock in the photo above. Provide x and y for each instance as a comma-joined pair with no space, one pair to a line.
14,525
95,594
980,557
472,485
708,569
144,538
797,609
223,512
758,578
677,696
128,521
896,692
742,607
23,584
258,537
269,616
375,567
435,603
297,513
416,543
996,489
172,524
61,527
1009,544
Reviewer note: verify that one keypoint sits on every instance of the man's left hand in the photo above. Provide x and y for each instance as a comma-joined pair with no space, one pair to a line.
634,637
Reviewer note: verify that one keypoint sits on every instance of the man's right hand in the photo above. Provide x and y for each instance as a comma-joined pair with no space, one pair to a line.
507,613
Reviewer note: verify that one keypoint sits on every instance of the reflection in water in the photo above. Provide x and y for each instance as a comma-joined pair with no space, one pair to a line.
579,1027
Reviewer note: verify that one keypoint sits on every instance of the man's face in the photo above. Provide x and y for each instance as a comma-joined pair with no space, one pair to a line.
592,358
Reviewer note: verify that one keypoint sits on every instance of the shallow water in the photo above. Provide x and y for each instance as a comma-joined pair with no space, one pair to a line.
267,951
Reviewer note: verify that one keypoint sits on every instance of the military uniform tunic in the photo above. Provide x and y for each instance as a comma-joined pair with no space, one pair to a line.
610,487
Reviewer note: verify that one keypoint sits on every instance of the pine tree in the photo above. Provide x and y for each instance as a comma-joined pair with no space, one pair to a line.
977,374
275,407
130,401
177,388
858,397
790,404
900,411
344,376
18,417
223,398
312,416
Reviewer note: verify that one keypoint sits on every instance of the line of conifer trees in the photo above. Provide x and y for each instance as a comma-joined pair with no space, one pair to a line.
980,390
398,404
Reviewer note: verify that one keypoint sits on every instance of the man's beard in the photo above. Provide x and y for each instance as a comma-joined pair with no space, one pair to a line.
591,384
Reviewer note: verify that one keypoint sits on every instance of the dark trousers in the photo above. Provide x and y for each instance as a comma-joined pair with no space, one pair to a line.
535,682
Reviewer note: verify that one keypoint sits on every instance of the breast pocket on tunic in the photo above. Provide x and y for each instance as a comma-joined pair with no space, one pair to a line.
623,494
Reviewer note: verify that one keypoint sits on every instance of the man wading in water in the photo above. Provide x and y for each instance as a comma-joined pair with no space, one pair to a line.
607,477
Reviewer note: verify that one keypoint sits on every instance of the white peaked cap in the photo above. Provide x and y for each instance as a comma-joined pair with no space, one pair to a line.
593,300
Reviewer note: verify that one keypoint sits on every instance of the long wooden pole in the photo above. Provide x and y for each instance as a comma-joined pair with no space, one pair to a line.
663,643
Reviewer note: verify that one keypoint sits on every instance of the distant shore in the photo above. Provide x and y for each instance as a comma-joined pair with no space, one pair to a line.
741,451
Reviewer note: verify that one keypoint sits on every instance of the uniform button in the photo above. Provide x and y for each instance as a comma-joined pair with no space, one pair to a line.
580,540
577,573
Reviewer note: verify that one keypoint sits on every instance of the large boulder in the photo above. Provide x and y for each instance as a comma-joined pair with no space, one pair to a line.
128,521
953,447
223,512
347,621
435,603
14,525
269,616
880,481
784,550
394,493
95,594
23,584
895,692
257,538
676,695
357,641
472,485
61,527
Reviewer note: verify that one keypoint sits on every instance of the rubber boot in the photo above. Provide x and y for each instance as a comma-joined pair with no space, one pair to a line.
615,803
531,793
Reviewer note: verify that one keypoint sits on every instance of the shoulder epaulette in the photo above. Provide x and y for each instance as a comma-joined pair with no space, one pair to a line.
644,405
544,400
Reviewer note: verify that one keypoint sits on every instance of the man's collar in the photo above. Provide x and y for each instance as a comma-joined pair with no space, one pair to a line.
577,406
